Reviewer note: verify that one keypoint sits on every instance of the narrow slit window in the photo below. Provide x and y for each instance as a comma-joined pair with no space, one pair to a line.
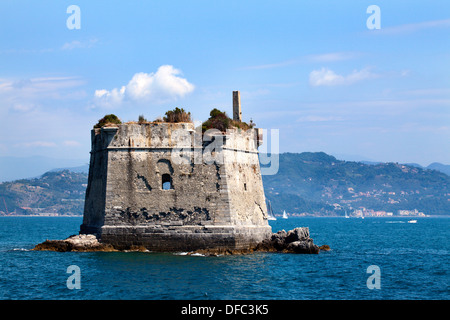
167,182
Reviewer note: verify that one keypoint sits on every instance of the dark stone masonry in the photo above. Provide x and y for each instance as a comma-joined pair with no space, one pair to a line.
293,241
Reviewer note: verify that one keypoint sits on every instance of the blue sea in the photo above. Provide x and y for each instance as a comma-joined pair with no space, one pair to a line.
412,260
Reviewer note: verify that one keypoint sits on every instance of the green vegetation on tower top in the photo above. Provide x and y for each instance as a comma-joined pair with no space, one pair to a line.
219,120
109,119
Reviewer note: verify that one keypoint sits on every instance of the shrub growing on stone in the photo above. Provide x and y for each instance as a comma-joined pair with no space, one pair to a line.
142,119
219,120
108,120
177,115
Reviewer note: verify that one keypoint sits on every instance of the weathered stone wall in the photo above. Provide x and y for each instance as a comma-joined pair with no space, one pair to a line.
210,204
245,187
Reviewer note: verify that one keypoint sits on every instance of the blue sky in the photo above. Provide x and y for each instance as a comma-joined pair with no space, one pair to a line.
311,69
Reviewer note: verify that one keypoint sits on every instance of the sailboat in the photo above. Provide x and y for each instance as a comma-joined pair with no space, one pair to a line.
284,215
346,215
270,212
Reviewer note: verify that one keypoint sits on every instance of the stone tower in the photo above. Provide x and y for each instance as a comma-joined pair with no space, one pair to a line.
237,113
168,187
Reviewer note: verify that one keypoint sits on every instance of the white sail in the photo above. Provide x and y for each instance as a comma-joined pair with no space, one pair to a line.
270,215
284,215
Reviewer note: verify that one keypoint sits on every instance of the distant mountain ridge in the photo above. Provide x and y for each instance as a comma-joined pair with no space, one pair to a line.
444,168
319,183
79,169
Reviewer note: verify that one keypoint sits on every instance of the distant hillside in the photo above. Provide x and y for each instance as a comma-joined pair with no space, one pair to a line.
60,192
313,183
444,168
319,183
79,169
440,167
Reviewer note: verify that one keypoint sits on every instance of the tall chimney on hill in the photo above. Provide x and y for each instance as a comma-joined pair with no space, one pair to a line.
237,113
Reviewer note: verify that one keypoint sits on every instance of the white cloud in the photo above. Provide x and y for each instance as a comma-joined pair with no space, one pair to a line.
76,44
413,27
71,143
426,92
23,107
38,87
333,56
107,98
314,118
23,95
272,65
163,85
327,77
324,57
32,144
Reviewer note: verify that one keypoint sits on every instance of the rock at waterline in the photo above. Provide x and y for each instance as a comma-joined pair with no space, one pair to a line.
81,243
324,247
293,241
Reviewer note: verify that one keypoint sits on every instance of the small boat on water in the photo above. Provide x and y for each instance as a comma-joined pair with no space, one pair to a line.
285,216
346,215
412,221
270,212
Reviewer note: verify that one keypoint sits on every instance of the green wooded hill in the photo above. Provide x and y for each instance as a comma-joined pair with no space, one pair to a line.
312,183
318,183
61,192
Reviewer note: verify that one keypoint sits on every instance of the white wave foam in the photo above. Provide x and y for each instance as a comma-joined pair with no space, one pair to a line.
197,255
189,254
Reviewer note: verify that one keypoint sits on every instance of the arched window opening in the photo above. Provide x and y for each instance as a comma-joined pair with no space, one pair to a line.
167,182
